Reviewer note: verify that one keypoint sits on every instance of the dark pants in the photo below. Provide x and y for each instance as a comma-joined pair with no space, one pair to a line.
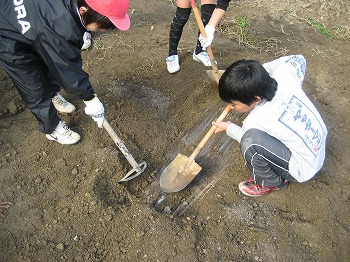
266,157
33,80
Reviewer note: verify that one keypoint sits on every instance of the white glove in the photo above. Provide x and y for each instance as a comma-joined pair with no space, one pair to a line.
207,41
87,41
95,109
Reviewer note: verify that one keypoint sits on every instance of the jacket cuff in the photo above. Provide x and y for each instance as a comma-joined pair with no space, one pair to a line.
234,131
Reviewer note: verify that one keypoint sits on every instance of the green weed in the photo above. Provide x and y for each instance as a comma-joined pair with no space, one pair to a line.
238,29
319,27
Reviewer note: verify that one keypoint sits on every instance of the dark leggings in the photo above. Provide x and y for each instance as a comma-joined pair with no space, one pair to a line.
266,157
180,19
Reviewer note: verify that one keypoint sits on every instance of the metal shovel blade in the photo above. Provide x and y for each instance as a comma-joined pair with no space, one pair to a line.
178,174
215,76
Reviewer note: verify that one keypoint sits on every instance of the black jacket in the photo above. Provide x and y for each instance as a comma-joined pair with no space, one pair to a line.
50,30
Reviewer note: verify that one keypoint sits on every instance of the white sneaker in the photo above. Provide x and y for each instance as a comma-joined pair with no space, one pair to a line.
202,57
172,64
87,41
63,135
62,105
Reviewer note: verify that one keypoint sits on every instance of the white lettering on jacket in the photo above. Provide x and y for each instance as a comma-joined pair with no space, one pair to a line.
21,13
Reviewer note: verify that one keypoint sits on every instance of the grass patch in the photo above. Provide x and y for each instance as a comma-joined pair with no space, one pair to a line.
242,30
319,27
335,32
238,29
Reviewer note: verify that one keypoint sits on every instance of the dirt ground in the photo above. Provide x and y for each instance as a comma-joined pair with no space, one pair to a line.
68,204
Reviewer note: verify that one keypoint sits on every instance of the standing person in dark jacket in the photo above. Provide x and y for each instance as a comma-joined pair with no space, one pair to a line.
40,49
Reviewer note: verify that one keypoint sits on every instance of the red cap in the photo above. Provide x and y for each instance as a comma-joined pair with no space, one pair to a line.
115,10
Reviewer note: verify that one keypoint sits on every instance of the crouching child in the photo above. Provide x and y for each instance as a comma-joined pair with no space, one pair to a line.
283,137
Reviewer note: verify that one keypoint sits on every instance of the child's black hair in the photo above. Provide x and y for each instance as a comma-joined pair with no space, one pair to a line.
244,80
91,16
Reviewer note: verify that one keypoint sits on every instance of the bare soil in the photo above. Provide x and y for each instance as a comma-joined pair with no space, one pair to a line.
68,204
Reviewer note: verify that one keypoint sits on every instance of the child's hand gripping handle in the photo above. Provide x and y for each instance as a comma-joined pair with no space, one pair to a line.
211,131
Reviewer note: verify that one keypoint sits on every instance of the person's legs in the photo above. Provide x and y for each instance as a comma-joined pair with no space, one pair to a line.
37,99
27,72
181,17
52,83
267,158
61,104
207,10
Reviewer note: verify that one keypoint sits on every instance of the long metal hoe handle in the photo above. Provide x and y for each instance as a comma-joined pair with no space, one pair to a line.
137,168
119,144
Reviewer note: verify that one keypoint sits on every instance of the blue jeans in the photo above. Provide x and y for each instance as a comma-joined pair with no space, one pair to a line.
266,157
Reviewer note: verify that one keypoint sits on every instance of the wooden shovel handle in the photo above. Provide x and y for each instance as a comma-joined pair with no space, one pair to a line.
210,133
202,30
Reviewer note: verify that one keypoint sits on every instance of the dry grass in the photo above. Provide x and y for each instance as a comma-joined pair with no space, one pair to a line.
111,42
328,19
242,31
341,32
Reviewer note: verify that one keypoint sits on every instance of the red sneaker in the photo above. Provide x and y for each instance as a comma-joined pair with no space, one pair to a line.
253,189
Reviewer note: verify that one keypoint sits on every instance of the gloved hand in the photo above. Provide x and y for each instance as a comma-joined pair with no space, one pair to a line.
87,41
207,41
95,109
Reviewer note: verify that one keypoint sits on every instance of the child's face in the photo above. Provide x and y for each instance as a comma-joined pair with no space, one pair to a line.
94,27
242,108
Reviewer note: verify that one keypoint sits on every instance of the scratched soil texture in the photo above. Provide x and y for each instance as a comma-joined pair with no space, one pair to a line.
68,204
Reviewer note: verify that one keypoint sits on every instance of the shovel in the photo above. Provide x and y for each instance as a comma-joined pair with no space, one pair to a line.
213,74
182,170
137,169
